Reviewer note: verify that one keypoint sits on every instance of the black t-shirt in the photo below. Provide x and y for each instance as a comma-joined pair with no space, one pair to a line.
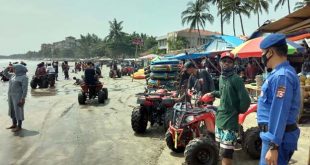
90,76
207,85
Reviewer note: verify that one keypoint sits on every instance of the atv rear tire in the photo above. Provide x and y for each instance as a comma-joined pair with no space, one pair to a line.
252,143
81,98
101,97
139,120
45,83
119,74
105,90
33,84
201,151
170,143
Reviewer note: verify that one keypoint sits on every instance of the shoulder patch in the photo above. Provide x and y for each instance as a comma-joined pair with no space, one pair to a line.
281,92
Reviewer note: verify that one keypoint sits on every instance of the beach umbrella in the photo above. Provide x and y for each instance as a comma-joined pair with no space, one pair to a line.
251,48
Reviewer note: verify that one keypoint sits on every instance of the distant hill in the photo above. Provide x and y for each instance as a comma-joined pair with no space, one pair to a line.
3,57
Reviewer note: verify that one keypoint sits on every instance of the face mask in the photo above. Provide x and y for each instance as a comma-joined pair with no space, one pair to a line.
265,59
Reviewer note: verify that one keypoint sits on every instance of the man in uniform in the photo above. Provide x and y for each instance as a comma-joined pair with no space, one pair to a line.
278,104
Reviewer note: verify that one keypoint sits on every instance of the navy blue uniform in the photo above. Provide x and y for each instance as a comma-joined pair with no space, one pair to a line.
278,107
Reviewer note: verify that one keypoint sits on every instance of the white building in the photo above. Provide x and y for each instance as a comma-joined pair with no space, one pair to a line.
191,36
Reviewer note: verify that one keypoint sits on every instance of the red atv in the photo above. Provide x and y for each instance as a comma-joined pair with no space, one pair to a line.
192,130
127,70
154,108
91,92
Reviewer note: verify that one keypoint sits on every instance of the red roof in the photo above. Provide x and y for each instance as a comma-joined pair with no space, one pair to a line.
202,32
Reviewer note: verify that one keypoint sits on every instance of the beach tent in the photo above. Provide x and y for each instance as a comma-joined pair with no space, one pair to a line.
222,43
218,44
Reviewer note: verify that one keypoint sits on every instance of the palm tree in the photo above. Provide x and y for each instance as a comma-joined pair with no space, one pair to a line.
227,12
219,4
299,5
259,6
115,30
281,3
196,15
233,7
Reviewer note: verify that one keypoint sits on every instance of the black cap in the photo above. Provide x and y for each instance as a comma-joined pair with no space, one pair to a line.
189,64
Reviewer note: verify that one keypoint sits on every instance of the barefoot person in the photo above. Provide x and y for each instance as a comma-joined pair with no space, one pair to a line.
17,92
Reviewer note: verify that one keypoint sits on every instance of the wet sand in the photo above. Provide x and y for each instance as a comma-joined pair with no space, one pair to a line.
57,130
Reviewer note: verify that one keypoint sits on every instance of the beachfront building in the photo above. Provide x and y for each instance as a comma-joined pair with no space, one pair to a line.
191,36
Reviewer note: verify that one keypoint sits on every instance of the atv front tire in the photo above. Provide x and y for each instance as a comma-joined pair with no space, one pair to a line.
139,120
170,143
201,151
33,84
168,117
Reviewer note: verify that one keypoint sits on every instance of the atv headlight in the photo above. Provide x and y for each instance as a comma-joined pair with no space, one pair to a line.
188,119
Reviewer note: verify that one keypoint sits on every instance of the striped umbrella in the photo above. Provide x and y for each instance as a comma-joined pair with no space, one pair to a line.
251,48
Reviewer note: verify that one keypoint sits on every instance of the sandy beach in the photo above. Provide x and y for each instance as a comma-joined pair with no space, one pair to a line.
57,130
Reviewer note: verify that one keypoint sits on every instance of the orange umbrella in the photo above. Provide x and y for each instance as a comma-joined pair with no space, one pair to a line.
251,48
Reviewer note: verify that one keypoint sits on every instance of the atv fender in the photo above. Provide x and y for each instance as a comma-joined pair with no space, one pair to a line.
252,108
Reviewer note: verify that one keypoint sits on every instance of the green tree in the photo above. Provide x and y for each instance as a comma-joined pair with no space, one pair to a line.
231,8
301,4
178,43
281,3
87,44
196,14
259,6
115,30
219,4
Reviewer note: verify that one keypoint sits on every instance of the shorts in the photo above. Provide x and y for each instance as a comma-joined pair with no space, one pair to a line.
226,138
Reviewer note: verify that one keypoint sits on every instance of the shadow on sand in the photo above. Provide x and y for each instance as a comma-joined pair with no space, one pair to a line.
26,133
155,131
95,103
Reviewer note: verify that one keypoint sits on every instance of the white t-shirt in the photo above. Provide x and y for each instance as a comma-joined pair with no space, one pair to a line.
50,70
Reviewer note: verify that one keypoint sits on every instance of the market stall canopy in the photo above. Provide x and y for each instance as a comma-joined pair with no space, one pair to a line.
300,37
149,57
221,43
293,22
251,48
185,56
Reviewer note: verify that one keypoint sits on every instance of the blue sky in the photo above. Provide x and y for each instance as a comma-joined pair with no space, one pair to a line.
25,24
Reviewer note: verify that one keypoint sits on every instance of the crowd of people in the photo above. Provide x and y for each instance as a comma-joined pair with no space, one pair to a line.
278,105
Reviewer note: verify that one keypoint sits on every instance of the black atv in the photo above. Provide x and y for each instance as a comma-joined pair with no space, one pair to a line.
41,81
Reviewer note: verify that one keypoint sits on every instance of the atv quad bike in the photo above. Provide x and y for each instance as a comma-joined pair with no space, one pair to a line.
127,70
192,129
91,92
2,77
115,73
204,150
41,81
154,108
